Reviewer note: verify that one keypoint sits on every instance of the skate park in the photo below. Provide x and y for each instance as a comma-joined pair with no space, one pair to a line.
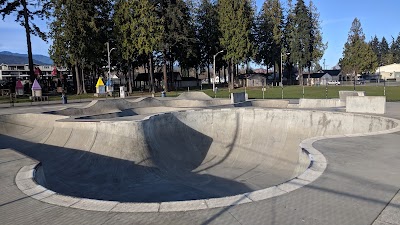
194,159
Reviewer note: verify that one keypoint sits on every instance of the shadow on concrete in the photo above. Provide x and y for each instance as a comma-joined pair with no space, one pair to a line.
85,174
123,113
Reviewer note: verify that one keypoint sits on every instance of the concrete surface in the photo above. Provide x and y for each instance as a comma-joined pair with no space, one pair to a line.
320,103
343,95
356,188
366,104
194,95
220,152
270,103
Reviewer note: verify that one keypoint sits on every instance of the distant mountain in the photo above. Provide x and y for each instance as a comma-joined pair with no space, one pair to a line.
16,58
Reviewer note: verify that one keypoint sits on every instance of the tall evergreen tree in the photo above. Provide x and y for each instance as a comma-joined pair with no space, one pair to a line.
395,49
236,34
374,43
141,29
269,34
26,12
316,45
74,30
289,37
208,33
358,56
187,51
385,52
300,50
178,32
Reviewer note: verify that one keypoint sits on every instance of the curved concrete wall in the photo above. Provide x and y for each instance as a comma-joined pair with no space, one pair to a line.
180,155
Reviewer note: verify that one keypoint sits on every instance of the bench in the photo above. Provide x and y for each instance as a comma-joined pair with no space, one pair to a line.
39,98
5,92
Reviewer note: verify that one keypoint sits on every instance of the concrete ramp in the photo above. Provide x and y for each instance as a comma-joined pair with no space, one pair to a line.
175,156
194,95
96,107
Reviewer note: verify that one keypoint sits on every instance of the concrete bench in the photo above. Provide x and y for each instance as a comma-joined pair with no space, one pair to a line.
238,97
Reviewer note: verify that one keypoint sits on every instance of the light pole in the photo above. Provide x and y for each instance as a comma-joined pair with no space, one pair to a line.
109,63
215,68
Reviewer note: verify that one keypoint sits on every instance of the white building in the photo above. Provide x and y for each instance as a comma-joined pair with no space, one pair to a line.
389,72
20,71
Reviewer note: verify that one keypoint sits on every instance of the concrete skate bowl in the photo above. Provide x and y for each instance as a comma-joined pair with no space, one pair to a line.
112,108
196,158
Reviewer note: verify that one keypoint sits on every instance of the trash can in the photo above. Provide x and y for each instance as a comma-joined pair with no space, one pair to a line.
64,98
163,94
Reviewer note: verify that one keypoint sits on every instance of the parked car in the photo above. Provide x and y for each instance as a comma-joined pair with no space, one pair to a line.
334,82
361,82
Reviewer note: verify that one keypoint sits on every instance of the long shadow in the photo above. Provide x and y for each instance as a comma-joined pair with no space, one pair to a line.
230,146
123,113
86,174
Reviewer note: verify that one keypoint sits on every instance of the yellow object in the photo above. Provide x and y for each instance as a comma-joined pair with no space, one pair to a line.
100,82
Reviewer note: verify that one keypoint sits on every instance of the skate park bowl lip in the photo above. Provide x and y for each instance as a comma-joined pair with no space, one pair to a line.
25,178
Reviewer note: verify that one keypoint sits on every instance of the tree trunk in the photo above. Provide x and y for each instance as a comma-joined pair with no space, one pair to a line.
151,73
208,74
171,70
274,79
219,76
165,83
83,82
78,80
224,74
28,41
232,74
130,78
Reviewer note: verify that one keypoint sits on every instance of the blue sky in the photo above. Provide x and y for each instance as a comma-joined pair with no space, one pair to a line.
379,18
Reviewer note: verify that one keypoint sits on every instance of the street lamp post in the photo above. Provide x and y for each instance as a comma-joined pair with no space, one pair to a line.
109,62
215,68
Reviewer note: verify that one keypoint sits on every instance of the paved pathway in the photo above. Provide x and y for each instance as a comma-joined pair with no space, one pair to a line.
359,186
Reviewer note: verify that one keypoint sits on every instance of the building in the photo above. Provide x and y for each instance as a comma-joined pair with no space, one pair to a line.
21,71
321,78
389,72
256,80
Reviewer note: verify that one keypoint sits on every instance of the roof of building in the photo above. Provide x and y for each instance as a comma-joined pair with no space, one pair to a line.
395,67
252,76
332,72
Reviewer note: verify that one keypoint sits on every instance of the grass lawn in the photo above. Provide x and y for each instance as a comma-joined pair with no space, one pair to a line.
296,92
289,92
